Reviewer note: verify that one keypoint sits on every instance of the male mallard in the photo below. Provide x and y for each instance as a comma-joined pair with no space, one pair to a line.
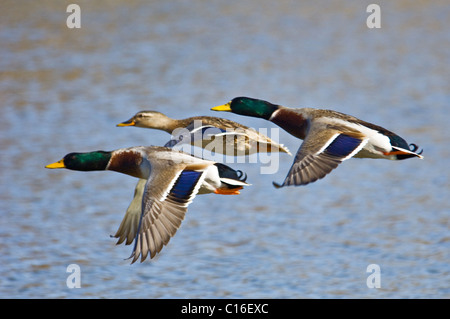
329,137
207,130
170,180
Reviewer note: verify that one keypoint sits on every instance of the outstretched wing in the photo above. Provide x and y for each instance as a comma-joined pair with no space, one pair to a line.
164,208
321,152
130,223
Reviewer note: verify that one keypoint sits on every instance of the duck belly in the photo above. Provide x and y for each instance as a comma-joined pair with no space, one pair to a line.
377,145
211,181
372,153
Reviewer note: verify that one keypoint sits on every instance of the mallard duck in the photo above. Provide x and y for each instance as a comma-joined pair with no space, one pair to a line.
329,137
230,180
208,132
169,181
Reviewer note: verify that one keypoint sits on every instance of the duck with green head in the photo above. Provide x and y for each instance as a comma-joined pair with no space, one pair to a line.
168,182
330,137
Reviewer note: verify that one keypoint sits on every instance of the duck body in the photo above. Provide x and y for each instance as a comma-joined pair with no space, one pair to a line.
168,182
330,137
208,132
379,142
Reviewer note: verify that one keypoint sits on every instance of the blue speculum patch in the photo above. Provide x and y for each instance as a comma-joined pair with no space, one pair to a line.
185,184
343,145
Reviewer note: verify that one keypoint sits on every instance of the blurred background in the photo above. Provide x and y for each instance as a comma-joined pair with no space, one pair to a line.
64,90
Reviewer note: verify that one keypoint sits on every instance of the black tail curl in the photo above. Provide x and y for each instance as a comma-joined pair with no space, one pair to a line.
227,172
414,147
241,175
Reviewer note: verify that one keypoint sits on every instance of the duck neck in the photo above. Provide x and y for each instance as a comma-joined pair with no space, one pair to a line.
127,161
166,124
291,121
171,124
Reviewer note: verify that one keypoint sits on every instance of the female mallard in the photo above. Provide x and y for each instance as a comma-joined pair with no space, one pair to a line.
214,133
169,181
329,137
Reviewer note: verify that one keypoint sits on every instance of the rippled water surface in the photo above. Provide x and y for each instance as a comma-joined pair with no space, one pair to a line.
64,90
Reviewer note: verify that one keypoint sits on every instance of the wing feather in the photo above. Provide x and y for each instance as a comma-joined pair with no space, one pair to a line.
128,227
164,209
321,152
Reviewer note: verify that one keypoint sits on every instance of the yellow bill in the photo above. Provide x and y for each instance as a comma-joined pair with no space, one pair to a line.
225,107
127,123
58,164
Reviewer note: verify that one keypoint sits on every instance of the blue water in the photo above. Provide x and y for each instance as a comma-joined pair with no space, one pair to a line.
64,90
